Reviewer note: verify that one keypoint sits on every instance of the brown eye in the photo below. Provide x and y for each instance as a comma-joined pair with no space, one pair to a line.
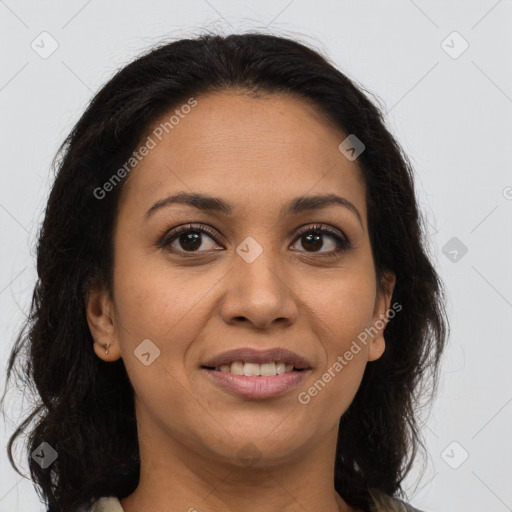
190,241
312,240
187,239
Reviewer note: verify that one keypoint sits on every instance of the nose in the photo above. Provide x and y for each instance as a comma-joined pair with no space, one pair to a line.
259,293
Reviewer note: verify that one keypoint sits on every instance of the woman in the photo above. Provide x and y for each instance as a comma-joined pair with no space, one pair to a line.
235,309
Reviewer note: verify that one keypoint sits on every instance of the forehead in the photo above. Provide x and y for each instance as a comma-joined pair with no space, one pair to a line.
250,148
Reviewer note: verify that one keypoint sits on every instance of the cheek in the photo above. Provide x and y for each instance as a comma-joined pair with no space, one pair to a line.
337,380
151,306
150,301
343,312
345,306
165,307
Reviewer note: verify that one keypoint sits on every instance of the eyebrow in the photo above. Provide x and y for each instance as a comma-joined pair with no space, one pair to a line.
215,204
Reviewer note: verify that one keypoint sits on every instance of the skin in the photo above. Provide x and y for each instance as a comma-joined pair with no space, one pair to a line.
256,154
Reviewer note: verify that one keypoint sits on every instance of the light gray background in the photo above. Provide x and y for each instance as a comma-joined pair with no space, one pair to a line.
451,115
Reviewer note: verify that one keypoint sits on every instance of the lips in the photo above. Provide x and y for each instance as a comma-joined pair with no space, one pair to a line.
250,355
256,388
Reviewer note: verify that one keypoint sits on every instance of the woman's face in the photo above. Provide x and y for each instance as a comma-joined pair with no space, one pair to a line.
265,275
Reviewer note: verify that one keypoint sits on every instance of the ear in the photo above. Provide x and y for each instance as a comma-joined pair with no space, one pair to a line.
101,320
380,316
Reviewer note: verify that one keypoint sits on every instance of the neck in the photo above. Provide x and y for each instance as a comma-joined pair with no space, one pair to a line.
175,477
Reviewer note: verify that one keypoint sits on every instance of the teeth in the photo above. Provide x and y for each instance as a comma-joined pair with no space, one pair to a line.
254,369
237,368
251,369
268,369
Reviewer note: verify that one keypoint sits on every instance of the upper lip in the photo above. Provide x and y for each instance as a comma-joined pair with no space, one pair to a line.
251,355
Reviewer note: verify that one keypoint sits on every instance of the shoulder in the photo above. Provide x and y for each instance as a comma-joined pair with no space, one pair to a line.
384,503
105,504
381,503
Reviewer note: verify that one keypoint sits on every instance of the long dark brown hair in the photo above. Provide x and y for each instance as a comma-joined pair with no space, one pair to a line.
85,408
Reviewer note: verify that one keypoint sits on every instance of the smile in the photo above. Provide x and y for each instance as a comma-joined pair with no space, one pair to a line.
253,369
251,382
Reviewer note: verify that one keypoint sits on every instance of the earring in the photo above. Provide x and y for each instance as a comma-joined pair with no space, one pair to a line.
106,348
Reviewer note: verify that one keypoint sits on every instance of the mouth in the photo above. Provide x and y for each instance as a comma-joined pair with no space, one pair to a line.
269,369
247,361
254,374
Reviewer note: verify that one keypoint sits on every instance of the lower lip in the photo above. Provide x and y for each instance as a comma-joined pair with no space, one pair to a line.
257,387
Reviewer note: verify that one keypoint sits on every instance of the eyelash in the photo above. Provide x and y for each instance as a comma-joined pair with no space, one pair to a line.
343,243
